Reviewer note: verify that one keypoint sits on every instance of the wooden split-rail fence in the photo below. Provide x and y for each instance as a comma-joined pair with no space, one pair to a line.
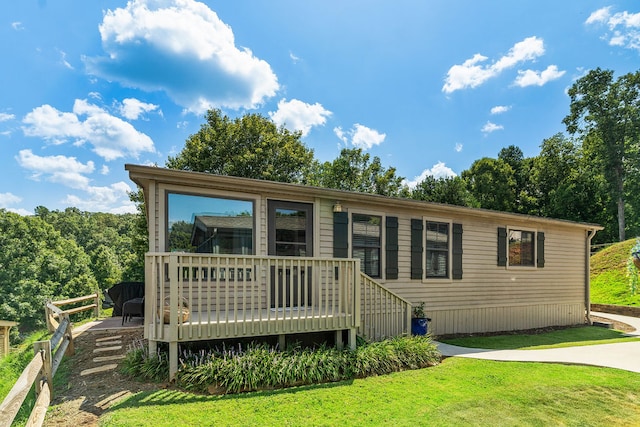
48,356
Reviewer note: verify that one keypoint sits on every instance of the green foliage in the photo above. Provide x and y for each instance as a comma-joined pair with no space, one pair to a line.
606,114
259,366
138,363
36,264
354,170
450,190
250,146
492,183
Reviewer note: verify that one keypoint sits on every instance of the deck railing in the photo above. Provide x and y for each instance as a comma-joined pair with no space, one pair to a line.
383,313
234,295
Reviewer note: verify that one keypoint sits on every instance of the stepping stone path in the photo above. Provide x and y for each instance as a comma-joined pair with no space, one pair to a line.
108,349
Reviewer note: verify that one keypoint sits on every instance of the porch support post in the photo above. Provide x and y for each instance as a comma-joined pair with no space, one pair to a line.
339,342
352,338
173,359
282,342
153,347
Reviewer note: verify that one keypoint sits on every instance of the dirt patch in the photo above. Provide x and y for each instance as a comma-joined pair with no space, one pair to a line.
616,325
83,399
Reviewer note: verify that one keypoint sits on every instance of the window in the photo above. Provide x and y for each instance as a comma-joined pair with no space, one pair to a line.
521,248
209,224
437,249
366,242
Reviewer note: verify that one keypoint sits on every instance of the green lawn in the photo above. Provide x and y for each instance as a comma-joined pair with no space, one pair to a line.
457,392
570,337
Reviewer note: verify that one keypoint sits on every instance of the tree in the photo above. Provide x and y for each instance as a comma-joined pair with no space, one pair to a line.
449,190
37,263
524,193
568,185
250,146
353,170
491,182
606,113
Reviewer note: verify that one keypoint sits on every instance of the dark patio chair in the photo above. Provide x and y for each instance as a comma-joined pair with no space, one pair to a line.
133,307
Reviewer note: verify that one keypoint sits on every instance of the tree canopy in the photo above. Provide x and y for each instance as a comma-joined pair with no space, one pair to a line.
251,146
606,113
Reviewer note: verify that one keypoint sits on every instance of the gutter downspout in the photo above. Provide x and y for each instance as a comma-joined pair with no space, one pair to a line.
587,275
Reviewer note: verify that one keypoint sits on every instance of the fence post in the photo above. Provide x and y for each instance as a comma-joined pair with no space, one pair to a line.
71,349
48,316
44,349
98,304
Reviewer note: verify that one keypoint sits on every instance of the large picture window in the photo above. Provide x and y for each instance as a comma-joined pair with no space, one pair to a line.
521,248
209,224
437,249
366,242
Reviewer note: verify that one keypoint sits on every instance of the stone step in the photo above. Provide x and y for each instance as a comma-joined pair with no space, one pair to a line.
116,337
105,349
103,368
108,358
108,343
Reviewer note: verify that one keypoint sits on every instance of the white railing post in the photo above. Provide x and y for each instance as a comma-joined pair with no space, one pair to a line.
357,283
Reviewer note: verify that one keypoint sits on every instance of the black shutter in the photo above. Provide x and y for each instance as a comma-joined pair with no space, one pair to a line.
416,249
457,252
502,247
341,235
391,270
540,249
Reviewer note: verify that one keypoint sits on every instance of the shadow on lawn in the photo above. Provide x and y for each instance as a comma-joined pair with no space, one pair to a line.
175,396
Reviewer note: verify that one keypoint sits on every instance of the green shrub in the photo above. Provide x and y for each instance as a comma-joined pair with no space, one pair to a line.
138,363
258,366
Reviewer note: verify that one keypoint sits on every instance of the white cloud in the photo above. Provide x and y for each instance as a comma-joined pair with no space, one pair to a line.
439,170
17,25
110,136
538,78
297,115
183,48
624,27
491,127
499,109
293,57
113,198
133,108
8,199
458,147
4,117
59,169
472,73
104,170
70,172
63,60
360,136
340,134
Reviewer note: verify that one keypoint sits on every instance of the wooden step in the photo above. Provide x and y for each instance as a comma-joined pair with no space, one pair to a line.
117,337
105,349
108,358
108,343
103,368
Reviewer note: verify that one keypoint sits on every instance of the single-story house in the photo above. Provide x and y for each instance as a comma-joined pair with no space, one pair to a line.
251,258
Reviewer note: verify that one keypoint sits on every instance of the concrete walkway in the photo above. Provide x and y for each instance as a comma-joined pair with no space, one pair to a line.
624,356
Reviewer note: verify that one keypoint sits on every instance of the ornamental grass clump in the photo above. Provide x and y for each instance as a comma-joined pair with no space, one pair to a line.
138,363
261,367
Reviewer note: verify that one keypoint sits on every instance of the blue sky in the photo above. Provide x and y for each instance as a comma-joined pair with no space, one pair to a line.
427,86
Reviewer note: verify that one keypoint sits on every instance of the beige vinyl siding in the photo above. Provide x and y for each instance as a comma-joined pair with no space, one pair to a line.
325,233
488,298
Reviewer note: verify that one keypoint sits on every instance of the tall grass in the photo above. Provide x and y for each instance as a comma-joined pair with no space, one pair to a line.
11,368
260,367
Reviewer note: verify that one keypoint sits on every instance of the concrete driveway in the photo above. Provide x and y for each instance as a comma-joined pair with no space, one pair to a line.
621,356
